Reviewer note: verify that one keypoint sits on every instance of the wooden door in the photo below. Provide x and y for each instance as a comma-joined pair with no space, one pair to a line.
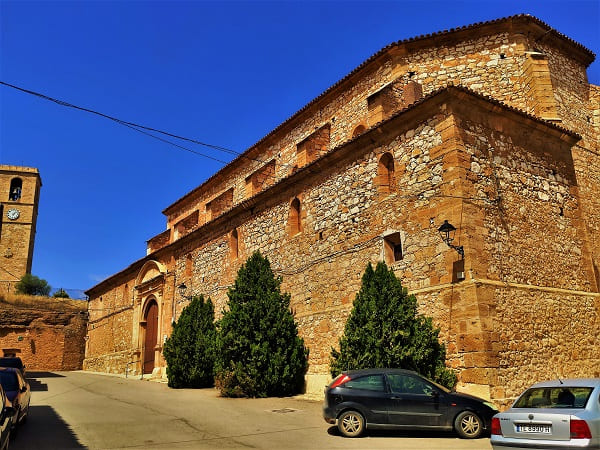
151,335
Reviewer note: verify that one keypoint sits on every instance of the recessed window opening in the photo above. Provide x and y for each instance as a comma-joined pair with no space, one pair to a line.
233,244
385,173
295,218
189,263
392,248
16,185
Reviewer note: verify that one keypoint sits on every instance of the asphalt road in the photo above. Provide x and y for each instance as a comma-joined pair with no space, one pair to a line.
84,410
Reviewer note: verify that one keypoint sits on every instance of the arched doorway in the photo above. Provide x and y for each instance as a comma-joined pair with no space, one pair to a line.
150,339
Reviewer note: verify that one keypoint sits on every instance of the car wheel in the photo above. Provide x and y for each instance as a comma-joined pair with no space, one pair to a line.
468,425
351,423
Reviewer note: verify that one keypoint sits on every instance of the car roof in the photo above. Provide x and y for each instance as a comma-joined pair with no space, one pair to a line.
569,382
378,370
11,360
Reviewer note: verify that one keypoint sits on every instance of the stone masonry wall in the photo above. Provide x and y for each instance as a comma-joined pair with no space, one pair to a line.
110,345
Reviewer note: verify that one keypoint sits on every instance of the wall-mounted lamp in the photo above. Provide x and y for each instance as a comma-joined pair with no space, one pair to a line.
182,288
447,231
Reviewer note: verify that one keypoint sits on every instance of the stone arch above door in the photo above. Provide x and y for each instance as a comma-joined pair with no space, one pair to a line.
150,270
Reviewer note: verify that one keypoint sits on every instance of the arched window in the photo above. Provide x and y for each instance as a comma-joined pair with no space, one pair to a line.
233,244
295,219
385,174
16,184
358,130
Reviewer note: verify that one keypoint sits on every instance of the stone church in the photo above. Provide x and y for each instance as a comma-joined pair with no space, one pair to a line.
19,198
492,127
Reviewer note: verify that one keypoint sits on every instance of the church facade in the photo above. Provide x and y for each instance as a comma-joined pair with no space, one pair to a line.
492,127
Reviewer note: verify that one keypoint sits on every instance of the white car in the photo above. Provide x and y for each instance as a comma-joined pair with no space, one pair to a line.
558,414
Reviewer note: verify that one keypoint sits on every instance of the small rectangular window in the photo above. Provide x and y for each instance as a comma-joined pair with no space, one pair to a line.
392,248
219,205
313,146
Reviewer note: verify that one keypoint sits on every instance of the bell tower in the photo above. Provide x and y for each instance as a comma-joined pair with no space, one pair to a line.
19,197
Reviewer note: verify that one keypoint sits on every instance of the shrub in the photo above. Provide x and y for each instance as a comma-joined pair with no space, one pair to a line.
61,293
190,350
259,351
385,330
32,285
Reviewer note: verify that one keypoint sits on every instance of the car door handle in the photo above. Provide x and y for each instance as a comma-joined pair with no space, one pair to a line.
396,398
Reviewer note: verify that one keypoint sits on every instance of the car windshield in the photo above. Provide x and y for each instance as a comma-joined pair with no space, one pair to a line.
554,397
9,381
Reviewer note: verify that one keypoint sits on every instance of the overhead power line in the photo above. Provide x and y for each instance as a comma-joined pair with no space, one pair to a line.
141,128
149,130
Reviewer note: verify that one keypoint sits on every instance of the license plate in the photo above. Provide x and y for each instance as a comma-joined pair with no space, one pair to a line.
544,429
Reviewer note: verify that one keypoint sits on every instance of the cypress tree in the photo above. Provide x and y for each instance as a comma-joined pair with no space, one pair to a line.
259,351
190,350
385,330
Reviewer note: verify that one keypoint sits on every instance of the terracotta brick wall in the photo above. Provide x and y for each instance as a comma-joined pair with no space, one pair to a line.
51,338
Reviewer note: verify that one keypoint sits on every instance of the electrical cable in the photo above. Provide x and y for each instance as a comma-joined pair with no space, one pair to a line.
139,128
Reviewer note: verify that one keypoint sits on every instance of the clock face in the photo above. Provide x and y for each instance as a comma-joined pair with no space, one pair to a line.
13,214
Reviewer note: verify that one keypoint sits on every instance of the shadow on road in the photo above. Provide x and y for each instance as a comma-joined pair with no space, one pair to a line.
34,380
44,375
44,429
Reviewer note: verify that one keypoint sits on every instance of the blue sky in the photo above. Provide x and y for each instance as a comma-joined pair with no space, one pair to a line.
225,73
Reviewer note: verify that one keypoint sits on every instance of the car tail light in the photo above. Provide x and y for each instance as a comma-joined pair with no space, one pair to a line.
580,429
496,428
341,379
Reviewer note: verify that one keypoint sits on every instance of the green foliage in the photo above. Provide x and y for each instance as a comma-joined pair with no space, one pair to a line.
385,330
32,285
260,352
190,350
61,293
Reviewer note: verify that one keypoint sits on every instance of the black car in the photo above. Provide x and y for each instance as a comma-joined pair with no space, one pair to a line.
15,362
402,399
